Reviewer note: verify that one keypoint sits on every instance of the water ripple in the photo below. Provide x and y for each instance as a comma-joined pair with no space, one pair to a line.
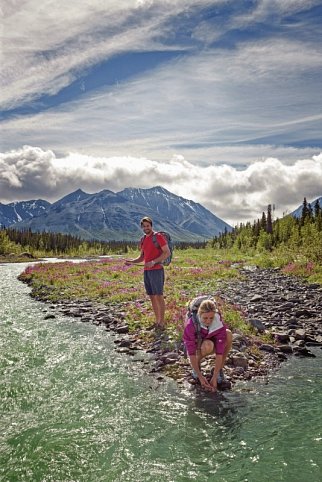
75,410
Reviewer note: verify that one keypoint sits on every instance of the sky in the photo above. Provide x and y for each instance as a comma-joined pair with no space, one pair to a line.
217,101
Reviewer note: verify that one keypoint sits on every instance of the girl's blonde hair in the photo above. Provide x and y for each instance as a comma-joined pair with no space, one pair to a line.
206,306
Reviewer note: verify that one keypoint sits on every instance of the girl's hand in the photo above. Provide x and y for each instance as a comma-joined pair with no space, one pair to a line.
205,384
213,383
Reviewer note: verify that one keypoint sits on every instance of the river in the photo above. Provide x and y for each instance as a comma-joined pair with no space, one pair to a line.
72,409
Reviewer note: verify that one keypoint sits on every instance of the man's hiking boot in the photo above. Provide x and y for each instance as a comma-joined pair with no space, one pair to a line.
159,329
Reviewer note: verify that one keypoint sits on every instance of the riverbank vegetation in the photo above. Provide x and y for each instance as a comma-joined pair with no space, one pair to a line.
110,281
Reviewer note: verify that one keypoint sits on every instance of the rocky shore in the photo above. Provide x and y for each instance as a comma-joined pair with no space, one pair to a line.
285,308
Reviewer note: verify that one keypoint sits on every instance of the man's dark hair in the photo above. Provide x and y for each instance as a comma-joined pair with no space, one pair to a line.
146,219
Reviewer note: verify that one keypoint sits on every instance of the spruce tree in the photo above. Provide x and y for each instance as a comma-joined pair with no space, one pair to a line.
269,223
305,212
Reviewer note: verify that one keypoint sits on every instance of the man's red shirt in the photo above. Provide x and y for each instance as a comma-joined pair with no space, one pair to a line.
150,251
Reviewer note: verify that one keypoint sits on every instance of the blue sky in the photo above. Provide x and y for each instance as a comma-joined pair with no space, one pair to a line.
217,101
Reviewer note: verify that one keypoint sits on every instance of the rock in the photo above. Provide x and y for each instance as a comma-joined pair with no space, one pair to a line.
303,313
281,356
225,385
171,355
303,351
126,343
281,337
86,319
256,298
260,327
238,371
299,343
267,347
240,361
26,255
123,350
285,348
122,329
49,316
300,334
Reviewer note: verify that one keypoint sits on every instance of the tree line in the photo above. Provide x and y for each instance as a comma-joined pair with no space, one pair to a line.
14,241
301,234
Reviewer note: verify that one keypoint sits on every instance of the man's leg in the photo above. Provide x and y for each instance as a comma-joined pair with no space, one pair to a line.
154,282
158,306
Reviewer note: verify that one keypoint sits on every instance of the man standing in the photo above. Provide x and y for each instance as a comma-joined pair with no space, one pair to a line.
153,269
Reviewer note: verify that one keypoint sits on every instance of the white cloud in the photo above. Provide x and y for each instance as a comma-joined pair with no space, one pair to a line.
44,50
255,94
273,9
232,194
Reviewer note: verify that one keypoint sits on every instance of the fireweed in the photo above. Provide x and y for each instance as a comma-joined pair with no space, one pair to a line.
110,281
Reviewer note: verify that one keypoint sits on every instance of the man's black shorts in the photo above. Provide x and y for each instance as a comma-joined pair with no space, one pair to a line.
154,281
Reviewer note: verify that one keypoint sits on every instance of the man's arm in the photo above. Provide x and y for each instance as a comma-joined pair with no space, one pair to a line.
164,255
135,260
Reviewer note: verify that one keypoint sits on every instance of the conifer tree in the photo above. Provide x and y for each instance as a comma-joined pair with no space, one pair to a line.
263,222
317,208
269,223
305,212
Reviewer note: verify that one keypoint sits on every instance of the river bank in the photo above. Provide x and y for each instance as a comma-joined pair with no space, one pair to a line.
284,308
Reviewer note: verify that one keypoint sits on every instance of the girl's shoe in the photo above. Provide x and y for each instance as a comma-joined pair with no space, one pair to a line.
194,374
220,376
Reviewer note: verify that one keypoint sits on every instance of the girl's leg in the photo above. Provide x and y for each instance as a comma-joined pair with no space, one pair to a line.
229,343
207,348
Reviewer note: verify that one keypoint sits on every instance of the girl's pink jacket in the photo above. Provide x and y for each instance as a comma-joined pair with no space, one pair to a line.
216,333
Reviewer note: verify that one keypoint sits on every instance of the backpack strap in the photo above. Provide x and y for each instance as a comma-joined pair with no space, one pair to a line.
142,241
155,241
197,326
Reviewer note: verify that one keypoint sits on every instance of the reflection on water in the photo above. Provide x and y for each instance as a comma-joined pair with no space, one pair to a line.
74,409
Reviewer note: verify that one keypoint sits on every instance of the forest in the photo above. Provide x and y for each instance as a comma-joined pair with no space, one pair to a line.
289,237
14,242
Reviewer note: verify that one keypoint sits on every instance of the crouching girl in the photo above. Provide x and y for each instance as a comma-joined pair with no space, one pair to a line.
206,334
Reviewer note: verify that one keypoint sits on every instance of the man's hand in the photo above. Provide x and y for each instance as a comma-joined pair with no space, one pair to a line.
150,264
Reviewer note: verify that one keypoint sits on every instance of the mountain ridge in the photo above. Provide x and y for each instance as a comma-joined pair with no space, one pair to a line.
106,215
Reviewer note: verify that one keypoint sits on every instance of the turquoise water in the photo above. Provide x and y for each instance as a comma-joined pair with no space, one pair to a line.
72,409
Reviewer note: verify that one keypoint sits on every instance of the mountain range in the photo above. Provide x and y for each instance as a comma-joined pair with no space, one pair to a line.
115,216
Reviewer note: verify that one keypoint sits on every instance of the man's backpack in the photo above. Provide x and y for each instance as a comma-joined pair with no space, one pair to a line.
168,239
